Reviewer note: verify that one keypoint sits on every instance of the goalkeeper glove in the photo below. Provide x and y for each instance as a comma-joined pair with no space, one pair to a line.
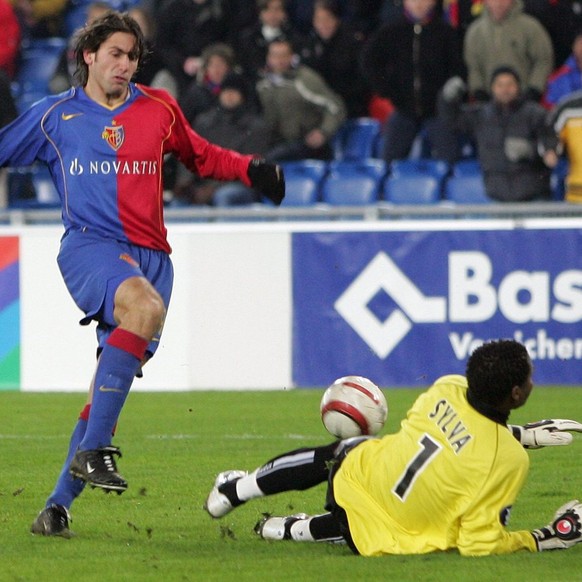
545,433
268,179
564,532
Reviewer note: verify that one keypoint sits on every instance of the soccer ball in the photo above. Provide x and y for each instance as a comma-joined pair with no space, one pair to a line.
353,406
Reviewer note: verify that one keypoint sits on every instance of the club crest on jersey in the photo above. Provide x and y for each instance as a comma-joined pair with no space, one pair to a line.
114,136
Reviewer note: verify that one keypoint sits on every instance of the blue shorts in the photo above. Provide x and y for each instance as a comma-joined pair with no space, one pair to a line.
93,267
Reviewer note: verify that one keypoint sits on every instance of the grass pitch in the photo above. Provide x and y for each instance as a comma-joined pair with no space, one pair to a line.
174,445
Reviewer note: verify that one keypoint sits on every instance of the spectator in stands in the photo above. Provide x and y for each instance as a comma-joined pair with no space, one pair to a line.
566,120
232,123
40,18
272,24
504,36
185,29
408,61
302,112
333,50
567,78
510,132
9,39
218,61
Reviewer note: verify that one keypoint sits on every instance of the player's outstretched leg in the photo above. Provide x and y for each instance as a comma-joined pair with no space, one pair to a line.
300,528
217,503
296,470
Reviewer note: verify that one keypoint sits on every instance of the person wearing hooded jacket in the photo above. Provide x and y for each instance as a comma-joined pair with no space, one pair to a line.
505,36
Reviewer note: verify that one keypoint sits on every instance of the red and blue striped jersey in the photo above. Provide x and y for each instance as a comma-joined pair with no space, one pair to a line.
107,163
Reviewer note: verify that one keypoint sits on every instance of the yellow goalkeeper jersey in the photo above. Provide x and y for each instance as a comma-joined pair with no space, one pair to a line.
446,480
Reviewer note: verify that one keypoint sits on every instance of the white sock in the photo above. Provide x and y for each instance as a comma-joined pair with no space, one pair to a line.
247,488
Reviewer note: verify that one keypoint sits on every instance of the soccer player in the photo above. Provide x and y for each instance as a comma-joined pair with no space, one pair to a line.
104,142
447,479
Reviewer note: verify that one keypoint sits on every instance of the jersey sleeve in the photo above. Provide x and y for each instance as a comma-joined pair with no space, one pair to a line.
202,157
482,529
23,141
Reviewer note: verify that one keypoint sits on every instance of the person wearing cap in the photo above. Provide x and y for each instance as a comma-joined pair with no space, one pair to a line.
516,146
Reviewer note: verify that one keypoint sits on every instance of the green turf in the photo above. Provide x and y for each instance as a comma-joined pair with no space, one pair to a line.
173,446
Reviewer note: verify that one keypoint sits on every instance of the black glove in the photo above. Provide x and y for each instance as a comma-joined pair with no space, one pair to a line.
268,179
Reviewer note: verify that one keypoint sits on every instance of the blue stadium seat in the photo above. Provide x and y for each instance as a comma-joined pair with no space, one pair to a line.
302,180
353,183
468,167
300,191
38,61
413,189
438,169
356,139
371,166
466,189
315,169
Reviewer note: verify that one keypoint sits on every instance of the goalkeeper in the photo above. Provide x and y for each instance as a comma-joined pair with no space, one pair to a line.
447,479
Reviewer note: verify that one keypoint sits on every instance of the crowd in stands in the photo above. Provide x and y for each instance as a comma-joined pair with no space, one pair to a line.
501,79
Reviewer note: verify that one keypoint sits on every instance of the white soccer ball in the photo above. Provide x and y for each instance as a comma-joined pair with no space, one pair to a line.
353,406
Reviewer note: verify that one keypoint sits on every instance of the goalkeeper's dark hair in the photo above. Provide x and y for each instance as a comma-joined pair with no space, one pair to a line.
92,36
494,368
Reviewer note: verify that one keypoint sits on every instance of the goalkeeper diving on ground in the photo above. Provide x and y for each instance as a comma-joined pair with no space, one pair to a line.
446,480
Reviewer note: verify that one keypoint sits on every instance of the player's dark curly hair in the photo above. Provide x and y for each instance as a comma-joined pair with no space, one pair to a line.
494,368
93,35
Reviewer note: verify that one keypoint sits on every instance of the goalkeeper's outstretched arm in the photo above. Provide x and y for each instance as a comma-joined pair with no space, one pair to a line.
545,433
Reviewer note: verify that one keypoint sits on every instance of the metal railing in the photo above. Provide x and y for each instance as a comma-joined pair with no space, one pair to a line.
326,212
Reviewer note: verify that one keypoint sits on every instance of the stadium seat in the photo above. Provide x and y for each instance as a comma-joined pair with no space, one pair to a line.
302,181
315,169
353,183
38,61
300,191
420,167
370,166
468,167
356,139
466,189
414,189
